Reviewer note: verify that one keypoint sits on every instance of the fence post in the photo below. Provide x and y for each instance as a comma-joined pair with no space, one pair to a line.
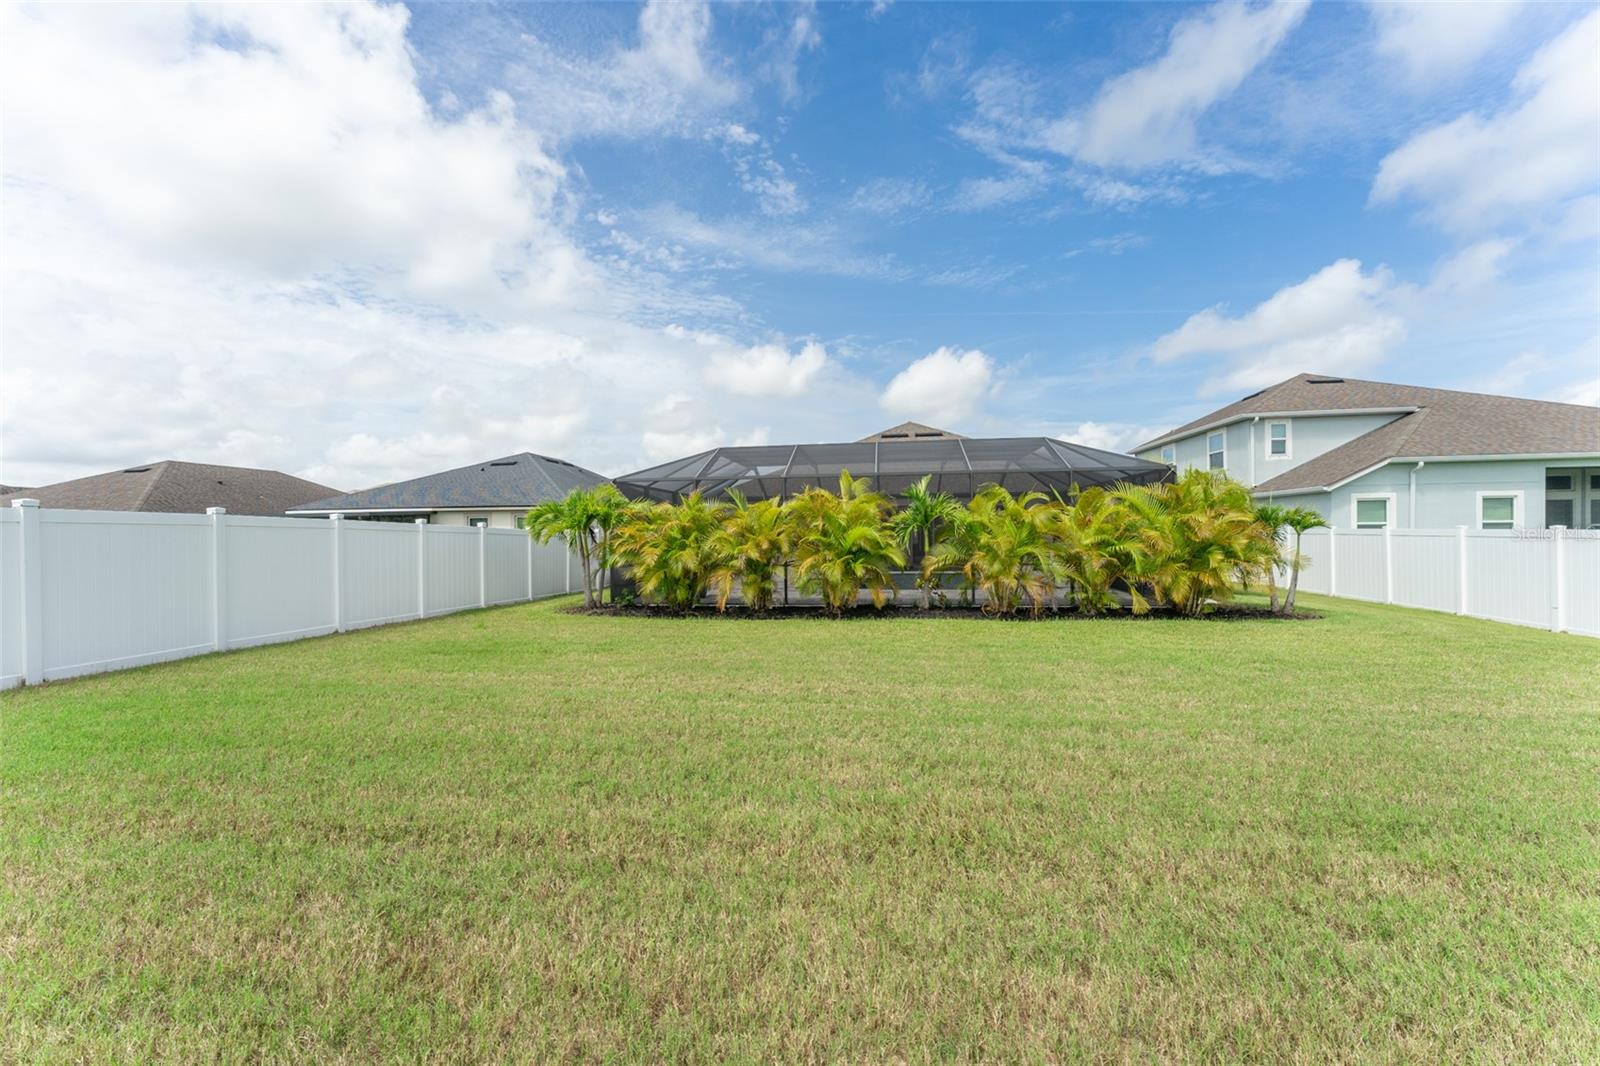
1388,566
530,568
1333,562
1461,570
483,565
1558,538
337,521
219,577
422,567
32,588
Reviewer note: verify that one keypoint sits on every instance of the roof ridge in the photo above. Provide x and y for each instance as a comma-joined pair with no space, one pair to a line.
165,465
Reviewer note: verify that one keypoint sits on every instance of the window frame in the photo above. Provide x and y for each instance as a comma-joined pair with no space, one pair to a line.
1518,511
1169,454
1288,440
1389,505
1222,451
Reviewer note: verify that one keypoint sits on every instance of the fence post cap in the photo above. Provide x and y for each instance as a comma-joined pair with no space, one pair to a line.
25,503
216,510
336,516
420,521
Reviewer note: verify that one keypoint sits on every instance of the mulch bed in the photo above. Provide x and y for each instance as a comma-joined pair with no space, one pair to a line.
1225,612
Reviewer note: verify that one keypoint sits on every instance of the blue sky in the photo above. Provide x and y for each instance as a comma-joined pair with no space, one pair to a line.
367,242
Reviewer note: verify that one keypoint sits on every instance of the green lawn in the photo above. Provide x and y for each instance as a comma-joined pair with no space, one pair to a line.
529,835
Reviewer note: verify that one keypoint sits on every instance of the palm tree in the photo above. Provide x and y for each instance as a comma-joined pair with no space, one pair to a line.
578,518
674,549
1094,542
843,544
1299,519
1271,518
917,520
1197,536
754,542
1002,549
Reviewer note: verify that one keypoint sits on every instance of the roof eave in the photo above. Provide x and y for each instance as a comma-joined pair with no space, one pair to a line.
1179,434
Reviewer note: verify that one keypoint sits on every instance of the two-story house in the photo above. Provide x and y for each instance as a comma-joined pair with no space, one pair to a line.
1366,454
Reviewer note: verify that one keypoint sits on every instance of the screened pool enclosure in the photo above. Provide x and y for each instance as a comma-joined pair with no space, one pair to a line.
893,460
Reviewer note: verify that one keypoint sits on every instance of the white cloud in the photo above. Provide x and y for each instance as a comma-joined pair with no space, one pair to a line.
1110,436
291,140
758,172
1339,320
1471,270
890,196
1438,41
1148,116
670,82
945,385
1479,170
786,46
781,246
768,369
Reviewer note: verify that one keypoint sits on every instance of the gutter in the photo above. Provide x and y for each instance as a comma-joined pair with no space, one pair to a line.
1420,460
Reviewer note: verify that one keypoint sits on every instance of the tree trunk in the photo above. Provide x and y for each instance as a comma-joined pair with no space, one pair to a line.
927,582
1272,584
584,557
1294,577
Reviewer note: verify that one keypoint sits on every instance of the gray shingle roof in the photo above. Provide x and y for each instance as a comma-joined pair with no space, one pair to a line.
178,488
520,480
911,431
1430,422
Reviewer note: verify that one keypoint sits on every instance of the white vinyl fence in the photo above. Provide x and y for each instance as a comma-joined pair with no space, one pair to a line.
1549,578
87,591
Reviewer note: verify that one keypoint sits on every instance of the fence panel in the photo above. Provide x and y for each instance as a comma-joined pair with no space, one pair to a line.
1316,569
1510,577
10,598
277,579
1582,566
452,568
1426,570
121,590
378,572
1360,564
505,565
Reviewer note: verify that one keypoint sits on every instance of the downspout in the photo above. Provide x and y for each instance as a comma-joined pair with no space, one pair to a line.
1253,422
1413,501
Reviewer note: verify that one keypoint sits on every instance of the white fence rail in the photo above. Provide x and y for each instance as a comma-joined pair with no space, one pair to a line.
1549,578
87,591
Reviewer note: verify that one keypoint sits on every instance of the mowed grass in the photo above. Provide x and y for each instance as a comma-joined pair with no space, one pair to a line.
526,835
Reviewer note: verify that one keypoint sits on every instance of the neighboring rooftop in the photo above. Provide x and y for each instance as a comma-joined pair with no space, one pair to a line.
520,480
177,487
912,431
1429,423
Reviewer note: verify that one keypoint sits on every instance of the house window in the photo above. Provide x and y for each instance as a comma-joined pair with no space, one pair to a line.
477,521
1373,512
1558,482
1277,440
1216,451
522,521
1169,454
1499,510
1559,513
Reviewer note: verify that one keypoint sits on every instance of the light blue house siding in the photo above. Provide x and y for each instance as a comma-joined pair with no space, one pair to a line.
1447,493
1247,457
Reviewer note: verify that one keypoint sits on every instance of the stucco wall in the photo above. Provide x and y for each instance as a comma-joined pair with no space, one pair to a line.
1447,492
1309,437
497,519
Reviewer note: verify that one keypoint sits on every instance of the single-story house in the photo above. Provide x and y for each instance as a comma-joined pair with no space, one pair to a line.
178,488
495,492
1368,454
